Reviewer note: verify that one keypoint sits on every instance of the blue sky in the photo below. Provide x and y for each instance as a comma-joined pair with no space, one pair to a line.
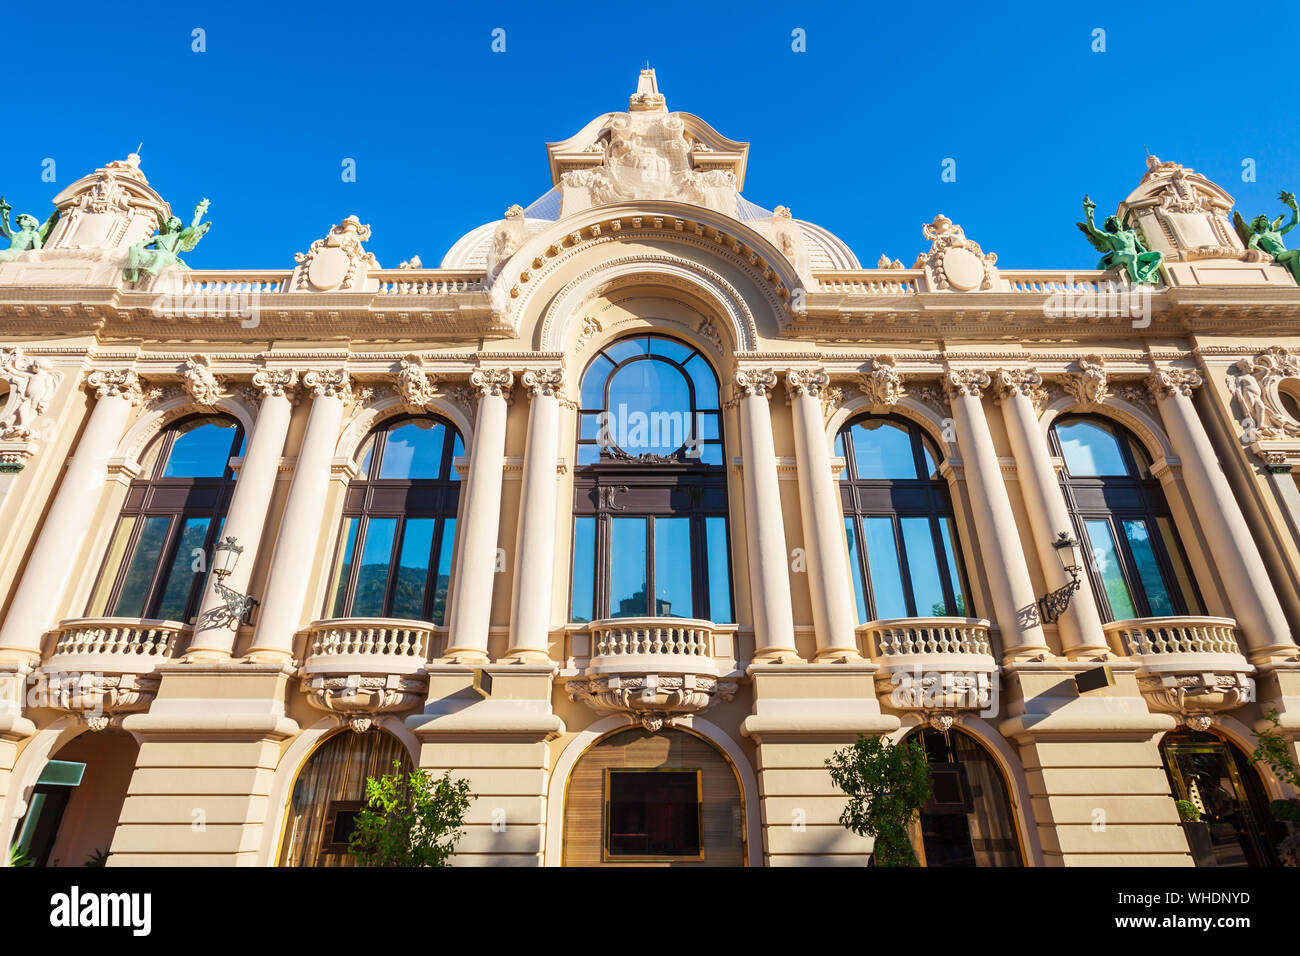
851,134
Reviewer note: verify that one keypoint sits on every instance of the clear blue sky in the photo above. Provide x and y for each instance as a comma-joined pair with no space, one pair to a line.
850,134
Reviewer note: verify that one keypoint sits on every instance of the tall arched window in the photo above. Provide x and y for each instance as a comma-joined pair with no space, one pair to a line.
172,517
650,489
899,521
399,524
1135,562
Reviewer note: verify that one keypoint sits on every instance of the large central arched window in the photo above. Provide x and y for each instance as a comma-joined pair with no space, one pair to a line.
1135,562
171,519
399,524
650,489
899,522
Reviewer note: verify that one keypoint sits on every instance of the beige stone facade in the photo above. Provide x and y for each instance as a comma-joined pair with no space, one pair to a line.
519,659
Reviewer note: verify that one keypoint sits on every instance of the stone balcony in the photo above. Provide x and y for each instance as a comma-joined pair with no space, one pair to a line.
1191,667
99,669
934,666
361,668
653,670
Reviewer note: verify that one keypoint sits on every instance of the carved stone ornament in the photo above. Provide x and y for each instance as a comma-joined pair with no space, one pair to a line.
339,261
200,382
967,382
1194,697
415,386
278,382
754,383
955,262
547,382
509,235
883,385
1185,216
1256,387
1023,381
98,700
590,327
493,381
1168,382
807,381
360,698
651,700
332,383
118,383
1091,384
32,383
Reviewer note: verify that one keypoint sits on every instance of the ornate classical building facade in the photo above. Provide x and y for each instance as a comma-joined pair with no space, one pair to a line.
632,511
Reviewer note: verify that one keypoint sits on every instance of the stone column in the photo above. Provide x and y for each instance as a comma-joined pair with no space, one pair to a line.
769,574
474,575
530,609
39,594
1014,603
214,631
1254,604
1020,391
300,528
834,614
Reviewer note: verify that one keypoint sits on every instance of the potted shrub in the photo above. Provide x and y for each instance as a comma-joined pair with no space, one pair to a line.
1197,832
411,819
1275,750
887,785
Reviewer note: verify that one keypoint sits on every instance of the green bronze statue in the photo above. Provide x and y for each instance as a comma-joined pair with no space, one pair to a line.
1266,235
1121,247
168,244
31,234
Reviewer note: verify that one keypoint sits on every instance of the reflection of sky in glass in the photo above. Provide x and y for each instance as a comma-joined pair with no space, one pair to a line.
201,450
855,564
923,565
413,450
413,568
584,564
1153,582
1090,449
886,575
882,450
719,569
673,567
1107,561
650,403
627,568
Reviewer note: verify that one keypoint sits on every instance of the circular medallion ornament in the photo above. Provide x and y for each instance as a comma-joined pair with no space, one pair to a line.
328,268
963,269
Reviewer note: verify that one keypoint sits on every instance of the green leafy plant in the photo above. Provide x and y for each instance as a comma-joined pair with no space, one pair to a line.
97,858
1287,810
1188,812
887,785
18,858
1275,750
411,819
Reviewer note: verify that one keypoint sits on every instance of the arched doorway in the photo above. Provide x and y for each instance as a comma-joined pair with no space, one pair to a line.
330,792
1219,779
969,820
73,809
669,798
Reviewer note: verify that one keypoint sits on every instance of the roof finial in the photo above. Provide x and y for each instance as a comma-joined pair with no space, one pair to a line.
647,95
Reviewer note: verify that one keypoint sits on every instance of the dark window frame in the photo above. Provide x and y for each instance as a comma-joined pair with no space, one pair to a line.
187,502
1114,499
898,498
608,855
394,502
649,487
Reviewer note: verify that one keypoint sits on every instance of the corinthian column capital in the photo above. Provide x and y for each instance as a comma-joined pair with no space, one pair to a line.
277,382
754,383
329,383
1168,382
1022,381
965,382
813,382
540,382
496,382
118,383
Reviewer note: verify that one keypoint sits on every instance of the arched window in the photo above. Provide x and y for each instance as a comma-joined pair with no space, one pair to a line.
899,521
330,794
1135,562
157,560
399,524
968,820
650,489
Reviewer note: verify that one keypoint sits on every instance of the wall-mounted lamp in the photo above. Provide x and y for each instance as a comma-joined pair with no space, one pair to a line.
1054,603
225,557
